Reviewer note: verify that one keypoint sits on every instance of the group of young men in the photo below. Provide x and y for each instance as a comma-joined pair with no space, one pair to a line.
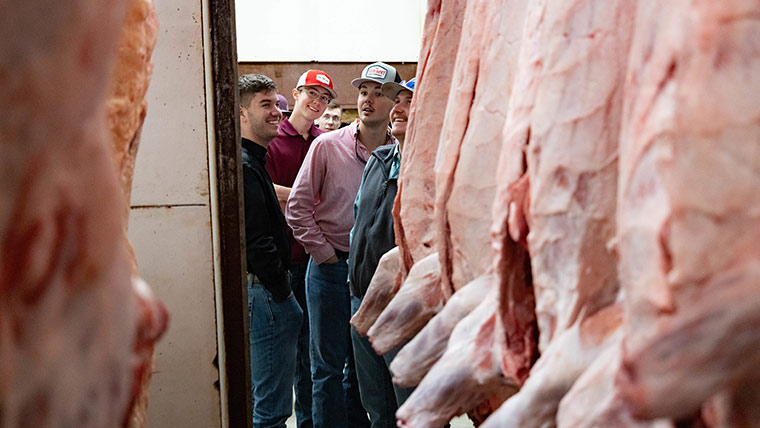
309,268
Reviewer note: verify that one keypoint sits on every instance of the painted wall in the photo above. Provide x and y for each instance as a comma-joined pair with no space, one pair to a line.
329,30
170,223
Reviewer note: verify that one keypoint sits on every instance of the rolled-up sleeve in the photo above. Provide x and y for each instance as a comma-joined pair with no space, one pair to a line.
299,212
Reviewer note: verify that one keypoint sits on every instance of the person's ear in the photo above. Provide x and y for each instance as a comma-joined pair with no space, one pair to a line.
295,95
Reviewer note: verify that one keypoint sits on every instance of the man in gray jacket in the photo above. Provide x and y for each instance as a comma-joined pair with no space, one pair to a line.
372,236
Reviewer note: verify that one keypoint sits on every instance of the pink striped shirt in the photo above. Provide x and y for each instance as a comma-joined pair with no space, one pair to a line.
320,206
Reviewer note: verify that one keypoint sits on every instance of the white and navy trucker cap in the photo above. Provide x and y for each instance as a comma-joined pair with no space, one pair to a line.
378,72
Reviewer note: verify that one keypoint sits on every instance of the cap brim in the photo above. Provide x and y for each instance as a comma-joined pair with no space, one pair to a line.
358,82
332,93
391,89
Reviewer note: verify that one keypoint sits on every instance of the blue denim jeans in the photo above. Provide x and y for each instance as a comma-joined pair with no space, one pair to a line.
377,393
303,366
329,311
272,333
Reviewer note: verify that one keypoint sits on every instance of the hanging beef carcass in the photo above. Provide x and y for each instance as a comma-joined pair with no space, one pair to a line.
680,342
467,375
676,323
416,358
416,302
563,206
414,232
380,292
688,180
477,104
592,401
74,321
468,150
689,223
571,158
126,109
413,210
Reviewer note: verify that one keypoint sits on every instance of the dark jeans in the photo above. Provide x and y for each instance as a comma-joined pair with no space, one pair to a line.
327,298
374,379
357,415
402,394
273,355
302,379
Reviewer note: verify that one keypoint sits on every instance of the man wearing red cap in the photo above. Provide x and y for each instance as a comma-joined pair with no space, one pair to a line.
320,212
285,154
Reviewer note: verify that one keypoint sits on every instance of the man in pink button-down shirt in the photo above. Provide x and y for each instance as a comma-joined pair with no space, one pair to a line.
320,212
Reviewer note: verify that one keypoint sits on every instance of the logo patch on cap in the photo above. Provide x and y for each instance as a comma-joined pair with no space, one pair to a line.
377,72
322,78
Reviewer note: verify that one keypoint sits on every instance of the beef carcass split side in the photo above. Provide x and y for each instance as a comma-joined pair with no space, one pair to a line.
474,84
416,358
689,220
466,376
413,208
382,288
593,402
126,110
572,159
561,363
67,313
126,104
516,311
70,345
469,147
418,300
564,203
734,408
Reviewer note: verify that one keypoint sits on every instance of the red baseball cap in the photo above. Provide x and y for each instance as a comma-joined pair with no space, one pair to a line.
317,78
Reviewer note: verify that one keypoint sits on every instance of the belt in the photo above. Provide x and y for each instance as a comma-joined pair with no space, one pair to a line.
341,254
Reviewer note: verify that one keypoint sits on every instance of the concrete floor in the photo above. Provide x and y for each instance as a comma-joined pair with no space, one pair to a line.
460,422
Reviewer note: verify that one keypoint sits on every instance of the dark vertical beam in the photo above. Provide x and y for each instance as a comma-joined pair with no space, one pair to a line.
231,221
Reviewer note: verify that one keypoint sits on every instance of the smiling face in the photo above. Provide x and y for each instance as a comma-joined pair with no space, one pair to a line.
373,106
311,102
400,114
260,119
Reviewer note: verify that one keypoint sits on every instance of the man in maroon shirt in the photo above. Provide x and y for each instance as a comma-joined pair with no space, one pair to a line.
285,154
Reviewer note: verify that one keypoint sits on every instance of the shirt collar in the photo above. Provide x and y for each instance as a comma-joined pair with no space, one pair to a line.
254,149
389,138
287,128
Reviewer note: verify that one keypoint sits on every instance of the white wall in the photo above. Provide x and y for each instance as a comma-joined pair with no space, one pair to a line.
329,30
170,223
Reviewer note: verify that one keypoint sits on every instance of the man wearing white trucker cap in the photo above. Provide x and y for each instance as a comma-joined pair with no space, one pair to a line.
285,154
319,211
371,237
